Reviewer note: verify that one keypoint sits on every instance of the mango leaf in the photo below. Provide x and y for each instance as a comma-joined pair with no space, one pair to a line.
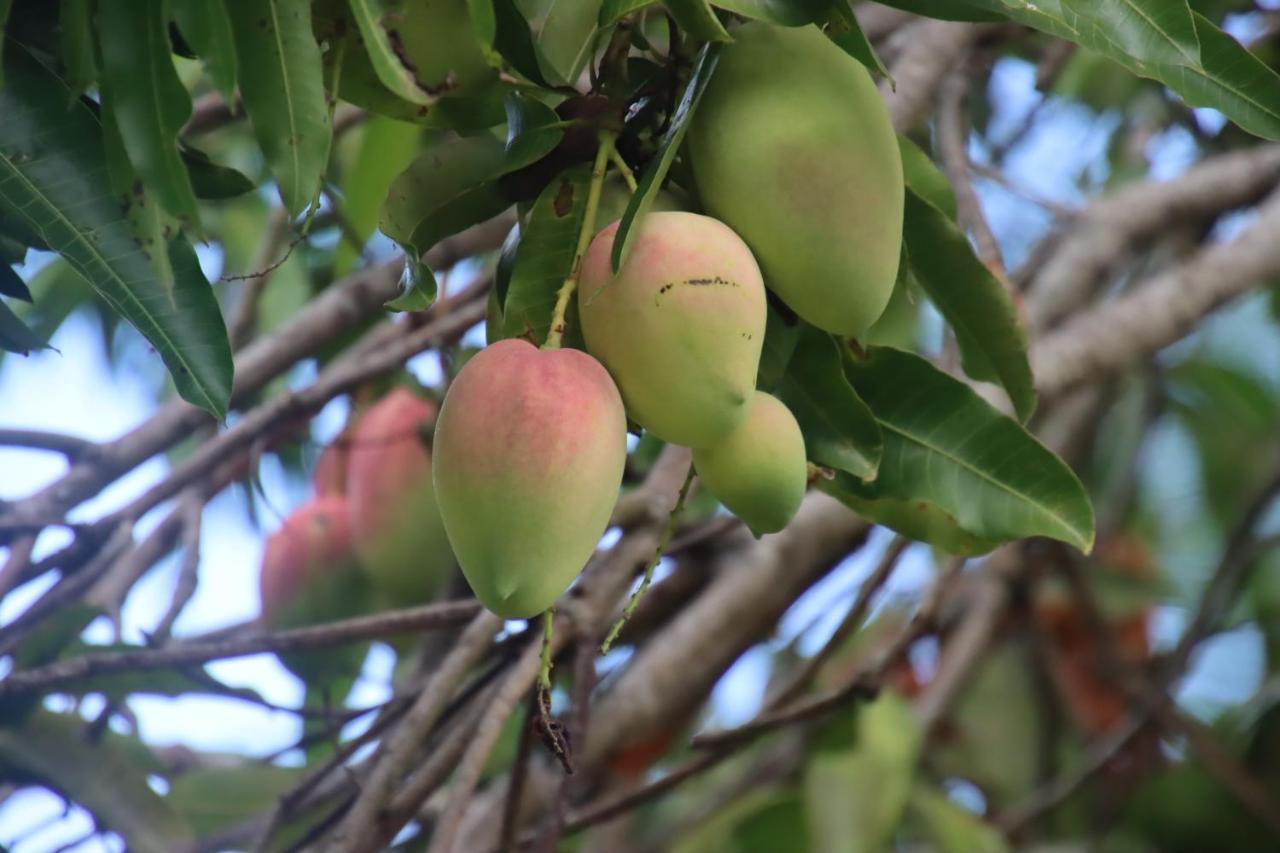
843,29
839,430
56,291
207,28
784,13
762,821
75,20
993,344
5,7
856,796
53,175
214,799
212,180
544,258
108,778
14,334
953,829
566,35
393,73
925,178
656,172
781,333
698,19
1222,75
386,148
150,103
450,186
533,130
282,85
958,461
501,25
611,11
11,284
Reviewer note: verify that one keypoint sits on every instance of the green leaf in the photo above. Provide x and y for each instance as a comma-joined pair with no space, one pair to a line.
53,174
14,334
214,799
947,10
150,103
698,19
952,828
211,180
512,39
386,149
544,257
1231,80
533,130
382,55
1155,30
925,178
207,28
283,90
857,796
839,430
761,821
611,11
993,344
955,460
75,20
5,7
781,333
56,291
784,13
566,36
450,186
107,777
11,284
844,30
656,172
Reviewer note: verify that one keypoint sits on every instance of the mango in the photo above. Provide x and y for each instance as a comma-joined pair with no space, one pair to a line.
759,472
309,573
528,454
395,521
680,327
329,479
792,147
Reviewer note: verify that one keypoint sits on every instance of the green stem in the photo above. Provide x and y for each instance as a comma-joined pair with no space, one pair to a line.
663,541
544,673
556,334
623,169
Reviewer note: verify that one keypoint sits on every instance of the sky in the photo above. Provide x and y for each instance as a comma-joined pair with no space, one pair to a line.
71,389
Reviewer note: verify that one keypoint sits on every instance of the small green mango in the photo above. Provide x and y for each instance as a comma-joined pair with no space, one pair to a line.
792,147
759,471
680,327
529,451
395,522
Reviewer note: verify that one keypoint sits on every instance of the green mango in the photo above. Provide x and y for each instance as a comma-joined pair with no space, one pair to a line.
792,147
528,458
680,327
759,471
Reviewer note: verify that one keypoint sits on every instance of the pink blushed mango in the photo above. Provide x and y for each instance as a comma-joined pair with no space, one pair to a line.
395,521
680,327
528,454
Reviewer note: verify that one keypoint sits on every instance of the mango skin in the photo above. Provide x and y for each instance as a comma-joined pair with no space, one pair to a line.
681,326
759,472
309,574
395,521
792,147
529,451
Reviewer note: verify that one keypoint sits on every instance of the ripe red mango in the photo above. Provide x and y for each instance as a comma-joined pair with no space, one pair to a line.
680,327
529,451
395,522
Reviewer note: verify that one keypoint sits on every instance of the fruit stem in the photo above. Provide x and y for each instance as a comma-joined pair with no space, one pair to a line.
623,169
544,673
667,533
555,335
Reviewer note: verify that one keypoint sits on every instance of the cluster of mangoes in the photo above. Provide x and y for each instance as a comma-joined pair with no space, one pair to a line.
798,168
372,536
